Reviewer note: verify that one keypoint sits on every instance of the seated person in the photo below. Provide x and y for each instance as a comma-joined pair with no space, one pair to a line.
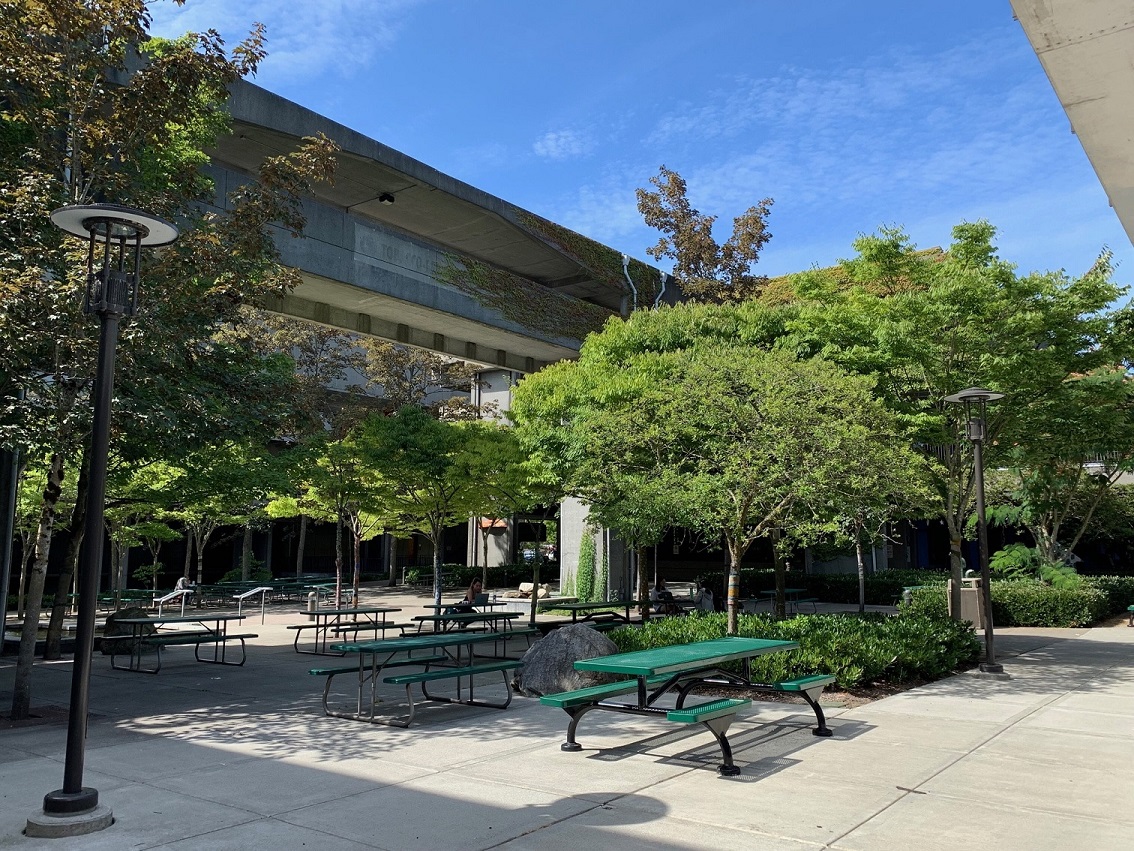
183,584
471,598
663,599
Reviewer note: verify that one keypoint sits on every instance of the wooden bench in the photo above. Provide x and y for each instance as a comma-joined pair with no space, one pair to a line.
423,677
159,640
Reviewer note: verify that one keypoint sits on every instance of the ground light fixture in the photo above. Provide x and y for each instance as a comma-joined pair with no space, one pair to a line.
975,401
115,237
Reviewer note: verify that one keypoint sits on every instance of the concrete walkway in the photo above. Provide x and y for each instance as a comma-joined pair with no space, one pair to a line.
201,756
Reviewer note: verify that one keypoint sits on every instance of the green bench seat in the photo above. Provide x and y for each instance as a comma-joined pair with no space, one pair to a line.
400,663
424,677
593,694
199,637
819,681
706,711
450,673
196,638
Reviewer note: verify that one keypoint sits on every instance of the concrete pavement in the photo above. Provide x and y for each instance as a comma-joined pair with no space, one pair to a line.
209,757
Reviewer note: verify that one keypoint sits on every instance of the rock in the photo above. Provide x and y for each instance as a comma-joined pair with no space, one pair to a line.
113,629
549,663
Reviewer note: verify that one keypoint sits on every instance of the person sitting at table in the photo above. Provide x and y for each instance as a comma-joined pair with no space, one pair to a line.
183,584
663,599
471,598
704,599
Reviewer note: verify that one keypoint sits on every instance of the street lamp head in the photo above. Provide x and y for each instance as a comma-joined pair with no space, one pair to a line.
973,394
119,233
112,223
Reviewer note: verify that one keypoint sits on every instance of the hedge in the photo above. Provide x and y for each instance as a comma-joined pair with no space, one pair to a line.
1024,602
855,649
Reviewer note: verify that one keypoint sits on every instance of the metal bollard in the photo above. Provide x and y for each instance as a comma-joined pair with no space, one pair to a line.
312,604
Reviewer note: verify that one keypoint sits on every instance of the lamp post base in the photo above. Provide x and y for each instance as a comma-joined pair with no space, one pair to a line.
49,825
992,671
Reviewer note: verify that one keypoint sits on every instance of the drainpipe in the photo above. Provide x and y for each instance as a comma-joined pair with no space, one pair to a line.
633,289
661,292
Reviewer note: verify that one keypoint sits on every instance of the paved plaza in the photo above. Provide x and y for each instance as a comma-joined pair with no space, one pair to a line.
210,757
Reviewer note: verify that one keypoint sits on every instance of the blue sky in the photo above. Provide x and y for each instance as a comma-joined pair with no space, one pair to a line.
848,115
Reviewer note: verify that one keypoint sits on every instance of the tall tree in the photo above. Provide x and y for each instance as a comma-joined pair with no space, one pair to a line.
704,269
428,468
725,439
95,109
966,319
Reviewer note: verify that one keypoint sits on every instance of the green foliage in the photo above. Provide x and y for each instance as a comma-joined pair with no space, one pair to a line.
259,573
882,588
1119,591
856,649
585,574
1029,603
1015,561
601,576
522,301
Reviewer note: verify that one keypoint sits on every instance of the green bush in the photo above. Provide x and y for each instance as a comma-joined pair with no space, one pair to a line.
882,588
855,649
1032,603
257,574
1119,591
1029,602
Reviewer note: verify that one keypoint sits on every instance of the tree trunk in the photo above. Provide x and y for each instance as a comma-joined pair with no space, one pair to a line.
484,564
643,584
956,569
299,545
435,539
21,687
246,554
53,644
781,576
339,562
357,577
861,567
200,538
537,563
391,562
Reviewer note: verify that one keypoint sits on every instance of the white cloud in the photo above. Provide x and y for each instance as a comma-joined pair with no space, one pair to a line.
303,39
562,145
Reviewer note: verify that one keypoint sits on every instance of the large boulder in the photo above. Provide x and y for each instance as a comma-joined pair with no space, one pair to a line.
549,664
113,629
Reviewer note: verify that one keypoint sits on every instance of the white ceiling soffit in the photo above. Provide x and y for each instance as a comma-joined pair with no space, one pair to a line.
1087,49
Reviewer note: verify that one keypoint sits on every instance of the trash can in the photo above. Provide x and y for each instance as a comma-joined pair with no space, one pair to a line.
972,602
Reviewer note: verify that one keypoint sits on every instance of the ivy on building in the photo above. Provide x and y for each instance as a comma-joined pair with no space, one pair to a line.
604,264
522,301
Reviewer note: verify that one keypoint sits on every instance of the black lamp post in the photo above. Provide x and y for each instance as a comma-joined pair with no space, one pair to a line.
975,400
115,236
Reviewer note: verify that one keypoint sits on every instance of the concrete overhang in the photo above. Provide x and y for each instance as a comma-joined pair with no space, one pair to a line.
1086,48
431,210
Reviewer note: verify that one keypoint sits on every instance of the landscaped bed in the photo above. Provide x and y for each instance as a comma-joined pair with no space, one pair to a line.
857,650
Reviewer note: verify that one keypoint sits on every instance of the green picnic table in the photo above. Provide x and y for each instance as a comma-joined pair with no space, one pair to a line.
678,669
442,660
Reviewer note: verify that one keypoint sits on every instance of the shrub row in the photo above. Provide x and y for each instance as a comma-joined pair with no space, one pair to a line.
855,649
1024,603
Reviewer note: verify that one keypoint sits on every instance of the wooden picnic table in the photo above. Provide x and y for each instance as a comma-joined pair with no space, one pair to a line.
146,634
677,669
443,660
326,624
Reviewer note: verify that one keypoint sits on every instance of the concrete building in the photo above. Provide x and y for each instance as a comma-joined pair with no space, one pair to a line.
397,250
